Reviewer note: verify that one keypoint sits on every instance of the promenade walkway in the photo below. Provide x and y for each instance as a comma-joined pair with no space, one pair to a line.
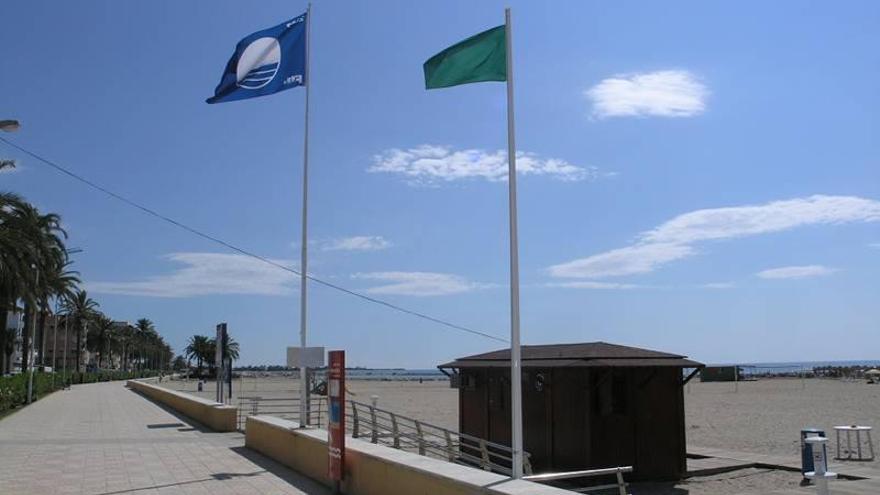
103,439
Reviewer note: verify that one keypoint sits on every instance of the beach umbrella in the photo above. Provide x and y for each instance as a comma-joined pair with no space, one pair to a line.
873,372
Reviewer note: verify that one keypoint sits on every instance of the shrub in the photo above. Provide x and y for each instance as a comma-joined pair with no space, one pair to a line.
13,389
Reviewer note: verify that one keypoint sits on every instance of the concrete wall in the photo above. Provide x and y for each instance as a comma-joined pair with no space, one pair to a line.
212,414
376,469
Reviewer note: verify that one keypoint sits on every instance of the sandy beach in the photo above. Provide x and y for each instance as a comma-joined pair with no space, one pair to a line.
763,417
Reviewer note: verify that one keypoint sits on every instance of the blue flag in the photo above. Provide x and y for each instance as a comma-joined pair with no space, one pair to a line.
265,62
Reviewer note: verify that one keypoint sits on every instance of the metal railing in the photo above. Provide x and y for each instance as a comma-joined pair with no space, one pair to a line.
400,432
620,485
380,426
285,408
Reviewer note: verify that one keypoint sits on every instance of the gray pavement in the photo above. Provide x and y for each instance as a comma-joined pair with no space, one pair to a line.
103,439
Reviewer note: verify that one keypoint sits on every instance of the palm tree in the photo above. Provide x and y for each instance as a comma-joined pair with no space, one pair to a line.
179,363
232,349
13,260
99,335
81,309
59,283
32,253
126,339
145,333
198,348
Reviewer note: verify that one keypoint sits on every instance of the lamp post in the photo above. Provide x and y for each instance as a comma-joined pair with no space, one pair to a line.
30,349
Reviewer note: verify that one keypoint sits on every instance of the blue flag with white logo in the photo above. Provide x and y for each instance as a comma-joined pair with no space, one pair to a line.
265,62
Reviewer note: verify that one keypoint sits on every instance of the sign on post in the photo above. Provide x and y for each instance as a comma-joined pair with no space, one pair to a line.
218,359
336,423
308,357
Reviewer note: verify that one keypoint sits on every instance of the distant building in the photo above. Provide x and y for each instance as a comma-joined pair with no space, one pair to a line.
721,374
585,406
14,323
60,343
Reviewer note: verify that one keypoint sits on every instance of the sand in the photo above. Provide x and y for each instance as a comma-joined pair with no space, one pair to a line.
762,417
766,416
432,401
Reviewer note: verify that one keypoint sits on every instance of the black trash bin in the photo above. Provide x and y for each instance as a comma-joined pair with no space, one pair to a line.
807,449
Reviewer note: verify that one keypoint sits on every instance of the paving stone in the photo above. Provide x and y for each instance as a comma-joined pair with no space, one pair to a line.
103,439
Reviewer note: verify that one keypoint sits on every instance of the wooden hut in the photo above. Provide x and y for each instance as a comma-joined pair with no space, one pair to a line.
585,406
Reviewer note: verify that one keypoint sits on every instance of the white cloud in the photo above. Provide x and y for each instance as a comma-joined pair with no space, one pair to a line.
805,271
207,274
419,283
630,260
675,239
429,164
592,284
358,243
777,216
665,93
718,285
875,245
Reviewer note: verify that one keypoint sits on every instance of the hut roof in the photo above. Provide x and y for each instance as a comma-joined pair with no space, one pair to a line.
588,354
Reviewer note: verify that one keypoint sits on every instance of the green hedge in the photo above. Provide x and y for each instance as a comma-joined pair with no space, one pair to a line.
13,389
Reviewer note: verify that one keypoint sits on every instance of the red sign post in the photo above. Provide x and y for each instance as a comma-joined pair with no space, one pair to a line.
336,428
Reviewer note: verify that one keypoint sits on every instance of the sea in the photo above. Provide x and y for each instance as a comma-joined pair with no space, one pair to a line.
797,366
433,374
394,374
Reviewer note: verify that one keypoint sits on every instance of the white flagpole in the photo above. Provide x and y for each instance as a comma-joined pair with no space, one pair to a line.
304,258
515,365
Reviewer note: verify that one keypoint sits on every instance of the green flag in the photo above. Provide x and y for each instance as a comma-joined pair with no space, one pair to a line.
482,57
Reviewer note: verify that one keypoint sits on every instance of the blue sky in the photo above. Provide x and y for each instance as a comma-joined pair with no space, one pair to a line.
696,177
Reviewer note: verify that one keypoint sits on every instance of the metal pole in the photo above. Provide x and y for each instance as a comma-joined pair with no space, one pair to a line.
66,343
736,378
54,344
30,349
304,247
515,373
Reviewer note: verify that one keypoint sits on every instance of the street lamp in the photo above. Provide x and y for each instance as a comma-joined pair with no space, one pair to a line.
30,349
9,125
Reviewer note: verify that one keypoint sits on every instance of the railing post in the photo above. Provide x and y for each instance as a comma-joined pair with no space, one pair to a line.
354,421
394,432
621,486
484,453
374,434
421,438
450,450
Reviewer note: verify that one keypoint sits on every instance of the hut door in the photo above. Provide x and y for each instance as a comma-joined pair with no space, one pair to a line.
499,407
660,424
613,435
570,394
